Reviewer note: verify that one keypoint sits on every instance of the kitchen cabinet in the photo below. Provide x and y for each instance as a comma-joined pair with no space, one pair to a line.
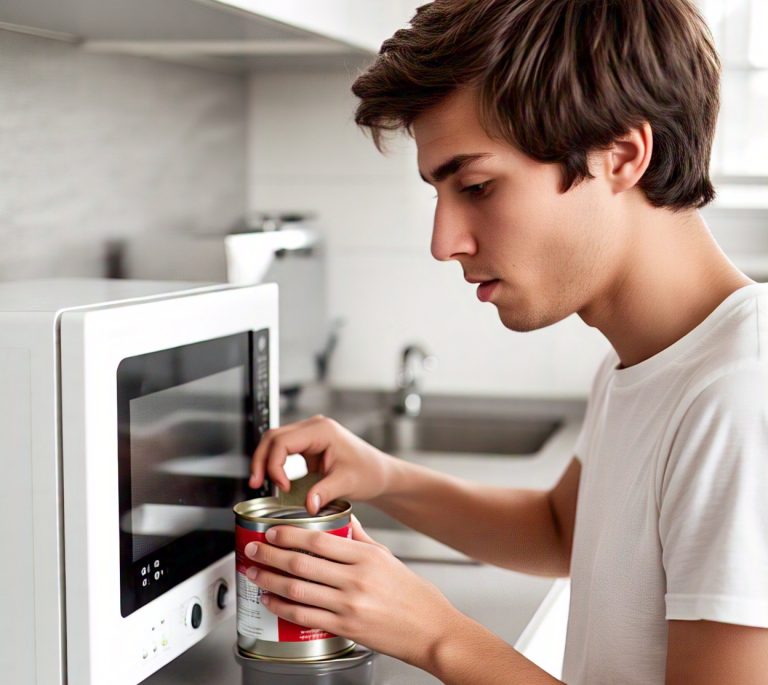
225,34
361,23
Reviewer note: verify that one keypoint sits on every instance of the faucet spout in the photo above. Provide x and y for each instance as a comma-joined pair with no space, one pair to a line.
414,361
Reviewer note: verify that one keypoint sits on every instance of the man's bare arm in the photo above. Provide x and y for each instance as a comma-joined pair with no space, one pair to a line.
713,653
524,530
470,653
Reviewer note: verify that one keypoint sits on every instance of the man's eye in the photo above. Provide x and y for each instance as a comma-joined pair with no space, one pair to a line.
477,190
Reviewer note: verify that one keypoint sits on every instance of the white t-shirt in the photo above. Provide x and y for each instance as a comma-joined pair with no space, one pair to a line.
672,514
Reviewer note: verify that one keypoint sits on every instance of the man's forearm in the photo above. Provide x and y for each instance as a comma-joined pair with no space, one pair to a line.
470,653
512,528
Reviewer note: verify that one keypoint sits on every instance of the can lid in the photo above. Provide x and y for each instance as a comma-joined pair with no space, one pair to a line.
301,513
272,509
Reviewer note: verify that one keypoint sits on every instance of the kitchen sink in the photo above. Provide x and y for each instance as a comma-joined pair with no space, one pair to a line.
522,442
460,434
460,437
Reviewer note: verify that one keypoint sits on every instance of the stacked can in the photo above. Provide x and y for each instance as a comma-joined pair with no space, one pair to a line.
261,634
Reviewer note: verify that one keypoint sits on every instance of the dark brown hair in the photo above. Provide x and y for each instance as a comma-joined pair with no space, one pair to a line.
561,78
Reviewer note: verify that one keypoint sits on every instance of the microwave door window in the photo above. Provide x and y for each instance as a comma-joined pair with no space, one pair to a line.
187,436
187,458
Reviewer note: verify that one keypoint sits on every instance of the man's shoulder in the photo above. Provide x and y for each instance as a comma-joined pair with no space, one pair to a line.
730,368
739,388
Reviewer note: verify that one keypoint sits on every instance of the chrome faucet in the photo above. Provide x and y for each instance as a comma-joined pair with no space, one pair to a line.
323,358
414,361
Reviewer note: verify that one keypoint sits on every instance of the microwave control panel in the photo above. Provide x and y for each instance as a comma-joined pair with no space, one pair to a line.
202,603
261,380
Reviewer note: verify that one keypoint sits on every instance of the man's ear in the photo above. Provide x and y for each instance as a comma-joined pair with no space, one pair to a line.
627,159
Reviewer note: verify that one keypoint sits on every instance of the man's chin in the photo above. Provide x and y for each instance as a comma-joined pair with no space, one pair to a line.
524,321
517,325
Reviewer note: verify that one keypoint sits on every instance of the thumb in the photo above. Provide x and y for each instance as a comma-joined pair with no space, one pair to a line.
360,535
324,491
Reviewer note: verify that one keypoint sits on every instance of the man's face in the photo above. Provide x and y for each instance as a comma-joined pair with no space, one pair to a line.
503,217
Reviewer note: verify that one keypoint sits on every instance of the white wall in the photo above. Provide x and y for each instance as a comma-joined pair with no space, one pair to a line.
305,153
95,148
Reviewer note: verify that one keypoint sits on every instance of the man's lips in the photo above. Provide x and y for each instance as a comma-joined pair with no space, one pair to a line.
486,287
485,290
477,279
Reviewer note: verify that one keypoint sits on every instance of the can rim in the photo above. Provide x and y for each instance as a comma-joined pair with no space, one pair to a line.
341,658
249,510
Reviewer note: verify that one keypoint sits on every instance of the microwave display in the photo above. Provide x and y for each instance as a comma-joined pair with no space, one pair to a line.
189,419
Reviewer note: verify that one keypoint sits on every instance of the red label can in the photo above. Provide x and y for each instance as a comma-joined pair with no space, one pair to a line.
259,632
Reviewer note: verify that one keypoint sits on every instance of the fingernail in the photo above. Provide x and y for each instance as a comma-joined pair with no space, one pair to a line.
265,600
252,482
271,535
252,572
316,502
250,549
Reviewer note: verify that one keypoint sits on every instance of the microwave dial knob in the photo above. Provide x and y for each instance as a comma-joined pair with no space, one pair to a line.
194,614
222,594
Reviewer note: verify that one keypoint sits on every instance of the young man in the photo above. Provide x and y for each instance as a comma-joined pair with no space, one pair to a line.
569,142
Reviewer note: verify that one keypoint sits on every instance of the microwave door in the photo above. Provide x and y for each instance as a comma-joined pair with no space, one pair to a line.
189,420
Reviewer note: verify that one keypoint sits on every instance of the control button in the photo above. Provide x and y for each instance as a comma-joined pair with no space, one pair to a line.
197,616
194,614
222,592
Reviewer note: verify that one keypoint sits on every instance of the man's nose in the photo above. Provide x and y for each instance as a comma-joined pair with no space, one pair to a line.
451,235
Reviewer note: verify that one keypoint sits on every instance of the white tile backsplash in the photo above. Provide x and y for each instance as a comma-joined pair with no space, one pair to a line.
302,124
355,211
99,147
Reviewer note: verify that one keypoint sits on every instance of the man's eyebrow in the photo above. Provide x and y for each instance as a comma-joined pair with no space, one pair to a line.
453,165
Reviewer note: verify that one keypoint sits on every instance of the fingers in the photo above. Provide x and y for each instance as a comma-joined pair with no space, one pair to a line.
321,543
310,436
296,564
295,589
333,485
300,614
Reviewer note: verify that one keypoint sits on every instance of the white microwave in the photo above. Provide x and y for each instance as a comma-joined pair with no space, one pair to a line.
128,414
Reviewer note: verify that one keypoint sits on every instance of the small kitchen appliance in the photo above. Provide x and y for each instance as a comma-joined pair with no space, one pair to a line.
270,250
128,414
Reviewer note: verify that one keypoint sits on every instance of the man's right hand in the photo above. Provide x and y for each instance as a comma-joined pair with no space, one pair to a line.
349,466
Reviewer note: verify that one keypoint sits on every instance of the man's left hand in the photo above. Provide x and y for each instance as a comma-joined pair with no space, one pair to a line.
355,588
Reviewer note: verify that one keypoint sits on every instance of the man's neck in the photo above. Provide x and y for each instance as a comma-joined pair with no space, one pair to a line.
671,277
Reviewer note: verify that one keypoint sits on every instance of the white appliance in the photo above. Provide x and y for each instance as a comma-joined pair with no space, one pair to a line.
128,413
293,256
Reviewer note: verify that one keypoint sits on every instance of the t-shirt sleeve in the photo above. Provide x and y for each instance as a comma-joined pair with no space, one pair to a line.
713,508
